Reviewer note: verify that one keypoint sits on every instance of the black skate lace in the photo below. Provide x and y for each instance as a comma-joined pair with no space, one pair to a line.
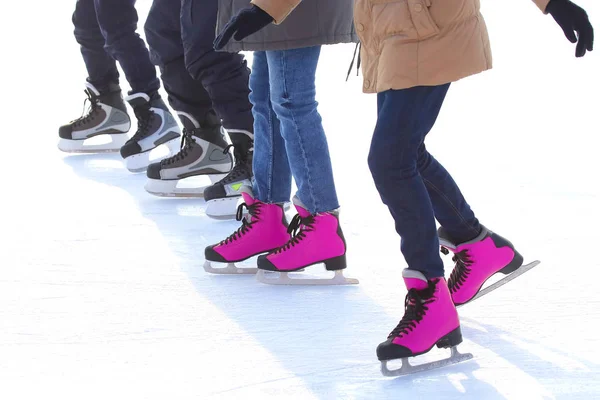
241,169
415,306
187,143
461,270
145,116
91,114
247,222
297,228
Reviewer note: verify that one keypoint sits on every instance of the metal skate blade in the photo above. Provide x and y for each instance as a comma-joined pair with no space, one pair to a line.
407,369
168,188
88,146
522,269
229,269
223,209
283,278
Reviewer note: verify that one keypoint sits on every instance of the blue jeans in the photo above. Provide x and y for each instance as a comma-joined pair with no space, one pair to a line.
289,139
415,187
106,31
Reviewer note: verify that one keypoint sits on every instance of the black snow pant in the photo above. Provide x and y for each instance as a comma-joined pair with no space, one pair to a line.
106,31
198,79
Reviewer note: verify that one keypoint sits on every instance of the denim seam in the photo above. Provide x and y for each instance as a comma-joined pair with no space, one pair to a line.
300,141
447,200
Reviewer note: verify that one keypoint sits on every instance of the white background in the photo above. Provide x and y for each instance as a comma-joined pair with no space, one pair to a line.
102,292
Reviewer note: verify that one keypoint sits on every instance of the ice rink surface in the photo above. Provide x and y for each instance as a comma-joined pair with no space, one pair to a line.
102,291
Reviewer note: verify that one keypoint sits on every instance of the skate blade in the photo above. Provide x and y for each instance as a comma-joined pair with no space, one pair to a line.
407,368
139,162
229,269
169,188
223,209
283,278
85,147
520,271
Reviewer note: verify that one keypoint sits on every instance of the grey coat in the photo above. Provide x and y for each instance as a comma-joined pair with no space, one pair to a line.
312,23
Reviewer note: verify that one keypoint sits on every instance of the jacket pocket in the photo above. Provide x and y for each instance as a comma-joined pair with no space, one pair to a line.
410,19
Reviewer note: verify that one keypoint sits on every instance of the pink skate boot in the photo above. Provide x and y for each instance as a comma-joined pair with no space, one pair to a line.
476,261
316,239
263,229
430,319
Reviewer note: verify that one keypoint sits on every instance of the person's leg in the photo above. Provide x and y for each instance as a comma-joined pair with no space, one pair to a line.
450,207
101,67
265,227
223,75
272,175
404,119
292,86
118,23
318,236
163,33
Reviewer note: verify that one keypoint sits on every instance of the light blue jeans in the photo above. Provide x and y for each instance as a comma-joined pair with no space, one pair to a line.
289,139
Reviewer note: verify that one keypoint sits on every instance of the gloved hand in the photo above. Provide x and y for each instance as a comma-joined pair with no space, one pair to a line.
572,18
244,24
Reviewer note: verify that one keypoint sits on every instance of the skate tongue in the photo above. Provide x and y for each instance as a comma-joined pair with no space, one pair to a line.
189,122
92,88
300,207
247,195
138,99
414,279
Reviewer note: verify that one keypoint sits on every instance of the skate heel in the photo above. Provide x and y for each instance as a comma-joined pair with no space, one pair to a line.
336,263
452,339
516,262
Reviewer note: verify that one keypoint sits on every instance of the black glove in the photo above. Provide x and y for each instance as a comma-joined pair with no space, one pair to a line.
244,24
571,19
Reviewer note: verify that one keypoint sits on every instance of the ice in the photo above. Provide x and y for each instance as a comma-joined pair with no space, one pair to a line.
102,290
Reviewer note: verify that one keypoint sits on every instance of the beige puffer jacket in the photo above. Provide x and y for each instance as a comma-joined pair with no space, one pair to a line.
406,43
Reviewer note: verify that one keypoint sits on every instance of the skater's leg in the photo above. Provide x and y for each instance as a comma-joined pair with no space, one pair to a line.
292,87
272,175
404,119
224,75
101,67
163,33
318,236
118,22
451,209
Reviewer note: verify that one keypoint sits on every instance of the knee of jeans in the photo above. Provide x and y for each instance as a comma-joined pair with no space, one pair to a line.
386,166
296,105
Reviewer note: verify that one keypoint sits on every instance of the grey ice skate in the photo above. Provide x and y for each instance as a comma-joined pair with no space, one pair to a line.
222,197
203,153
107,116
156,127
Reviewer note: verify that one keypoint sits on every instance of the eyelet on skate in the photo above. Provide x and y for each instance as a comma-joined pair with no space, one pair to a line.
461,270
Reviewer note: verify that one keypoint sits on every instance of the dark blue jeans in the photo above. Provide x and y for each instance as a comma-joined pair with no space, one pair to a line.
180,34
106,31
289,139
415,187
